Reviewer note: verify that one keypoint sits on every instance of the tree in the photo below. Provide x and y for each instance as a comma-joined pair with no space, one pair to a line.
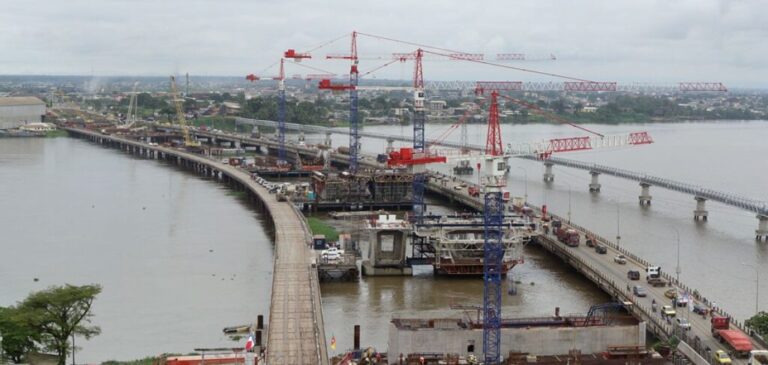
18,339
759,323
58,313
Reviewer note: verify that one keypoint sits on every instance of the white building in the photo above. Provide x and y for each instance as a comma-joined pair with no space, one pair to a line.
16,111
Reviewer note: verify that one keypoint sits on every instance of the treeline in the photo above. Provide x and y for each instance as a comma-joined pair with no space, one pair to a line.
632,109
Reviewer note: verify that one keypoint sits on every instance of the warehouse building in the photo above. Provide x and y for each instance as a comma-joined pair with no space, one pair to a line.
16,111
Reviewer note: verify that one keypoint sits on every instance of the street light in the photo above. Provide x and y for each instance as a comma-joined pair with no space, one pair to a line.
569,202
757,285
526,182
677,269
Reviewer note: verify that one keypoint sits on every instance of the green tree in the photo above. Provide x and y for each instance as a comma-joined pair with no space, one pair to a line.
58,313
18,338
759,323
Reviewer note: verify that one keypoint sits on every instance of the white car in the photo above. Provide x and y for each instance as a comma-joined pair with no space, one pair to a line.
683,323
331,254
620,259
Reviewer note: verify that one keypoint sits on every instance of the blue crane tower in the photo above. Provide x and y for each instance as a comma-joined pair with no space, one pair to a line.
281,159
419,145
354,136
493,256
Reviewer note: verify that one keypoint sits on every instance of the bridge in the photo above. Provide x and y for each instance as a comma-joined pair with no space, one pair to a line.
611,277
700,194
295,334
296,327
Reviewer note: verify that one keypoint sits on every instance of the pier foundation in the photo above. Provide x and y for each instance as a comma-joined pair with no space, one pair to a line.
761,234
594,186
700,213
645,194
386,250
549,176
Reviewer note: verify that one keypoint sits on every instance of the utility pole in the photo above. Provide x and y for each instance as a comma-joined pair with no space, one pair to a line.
618,224
757,286
526,182
677,269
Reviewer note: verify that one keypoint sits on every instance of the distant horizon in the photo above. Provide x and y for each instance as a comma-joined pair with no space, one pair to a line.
729,86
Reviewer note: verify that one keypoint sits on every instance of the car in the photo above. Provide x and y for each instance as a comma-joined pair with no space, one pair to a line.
601,249
633,275
671,293
700,309
457,187
639,291
683,323
721,357
668,311
620,259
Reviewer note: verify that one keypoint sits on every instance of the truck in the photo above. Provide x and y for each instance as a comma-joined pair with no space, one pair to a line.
653,276
758,357
473,191
571,238
736,340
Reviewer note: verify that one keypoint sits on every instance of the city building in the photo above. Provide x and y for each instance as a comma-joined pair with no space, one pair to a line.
16,111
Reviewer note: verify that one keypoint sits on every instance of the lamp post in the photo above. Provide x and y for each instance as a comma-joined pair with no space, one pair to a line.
677,269
526,182
569,202
757,285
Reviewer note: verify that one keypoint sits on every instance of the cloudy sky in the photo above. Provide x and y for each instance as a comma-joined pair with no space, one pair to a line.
650,41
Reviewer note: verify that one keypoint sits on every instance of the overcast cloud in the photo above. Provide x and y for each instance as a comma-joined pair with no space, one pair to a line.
648,41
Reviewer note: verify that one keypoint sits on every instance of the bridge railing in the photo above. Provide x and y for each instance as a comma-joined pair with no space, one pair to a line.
753,205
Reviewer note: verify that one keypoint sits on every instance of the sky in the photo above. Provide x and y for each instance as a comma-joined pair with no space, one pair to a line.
649,41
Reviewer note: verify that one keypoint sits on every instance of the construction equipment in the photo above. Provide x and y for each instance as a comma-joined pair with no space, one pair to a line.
280,78
493,254
190,143
354,137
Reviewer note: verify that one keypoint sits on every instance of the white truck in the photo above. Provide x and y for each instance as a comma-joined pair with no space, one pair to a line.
653,276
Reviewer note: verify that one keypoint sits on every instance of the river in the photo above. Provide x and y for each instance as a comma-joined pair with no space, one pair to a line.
82,214
177,257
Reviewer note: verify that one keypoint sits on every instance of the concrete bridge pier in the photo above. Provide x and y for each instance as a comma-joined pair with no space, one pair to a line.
594,186
390,145
645,194
327,141
549,176
701,210
761,234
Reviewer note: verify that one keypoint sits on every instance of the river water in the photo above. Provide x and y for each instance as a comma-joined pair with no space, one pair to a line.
180,258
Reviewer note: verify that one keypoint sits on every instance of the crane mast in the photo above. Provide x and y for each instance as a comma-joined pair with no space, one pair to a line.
281,158
189,142
354,136
419,118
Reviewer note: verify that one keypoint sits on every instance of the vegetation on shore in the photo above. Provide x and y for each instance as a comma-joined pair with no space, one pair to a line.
56,133
46,320
319,227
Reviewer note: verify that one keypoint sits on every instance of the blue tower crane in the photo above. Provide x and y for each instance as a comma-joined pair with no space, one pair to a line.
281,159
493,257
419,145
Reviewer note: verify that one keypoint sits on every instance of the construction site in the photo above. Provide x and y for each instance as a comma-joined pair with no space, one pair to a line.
487,244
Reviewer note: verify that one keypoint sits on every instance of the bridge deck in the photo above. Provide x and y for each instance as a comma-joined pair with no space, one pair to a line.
612,277
296,333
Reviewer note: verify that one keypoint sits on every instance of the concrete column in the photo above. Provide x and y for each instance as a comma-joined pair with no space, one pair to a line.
762,228
701,210
548,175
645,194
390,145
328,139
594,186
